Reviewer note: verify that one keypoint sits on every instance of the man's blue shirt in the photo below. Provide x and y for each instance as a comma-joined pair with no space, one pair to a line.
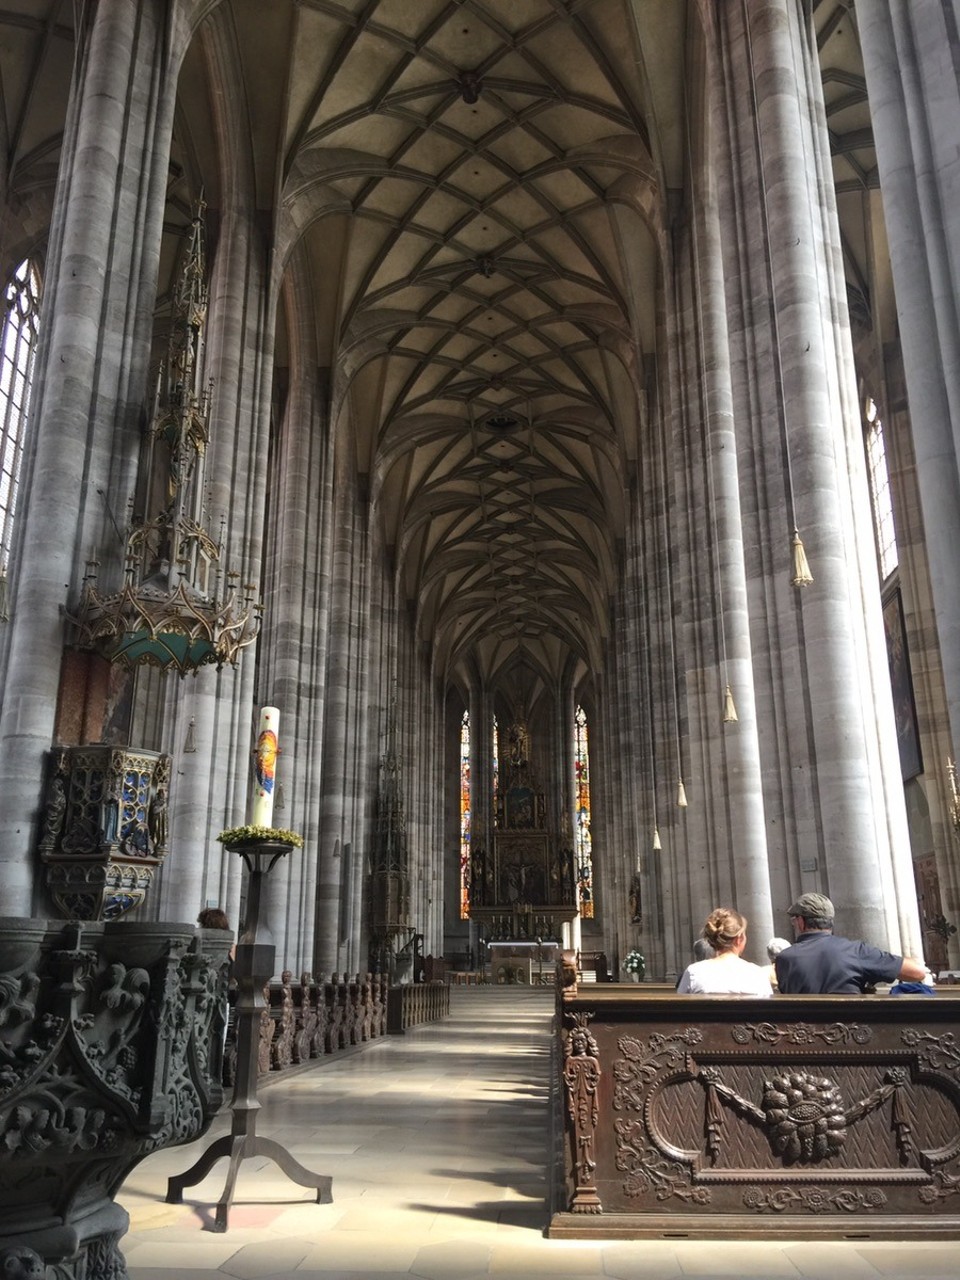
823,964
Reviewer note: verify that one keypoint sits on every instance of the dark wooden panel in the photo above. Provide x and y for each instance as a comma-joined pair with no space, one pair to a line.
831,1116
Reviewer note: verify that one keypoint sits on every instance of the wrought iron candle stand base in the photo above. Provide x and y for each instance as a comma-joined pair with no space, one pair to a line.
253,967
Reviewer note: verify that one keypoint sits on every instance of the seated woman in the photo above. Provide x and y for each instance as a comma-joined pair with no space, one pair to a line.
725,973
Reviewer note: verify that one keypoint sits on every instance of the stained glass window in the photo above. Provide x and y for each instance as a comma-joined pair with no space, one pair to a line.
465,816
18,346
496,770
583,845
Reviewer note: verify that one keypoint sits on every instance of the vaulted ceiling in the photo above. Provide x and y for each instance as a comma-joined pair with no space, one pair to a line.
485,179
480,188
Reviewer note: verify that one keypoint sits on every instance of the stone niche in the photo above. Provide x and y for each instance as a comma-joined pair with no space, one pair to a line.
111,1047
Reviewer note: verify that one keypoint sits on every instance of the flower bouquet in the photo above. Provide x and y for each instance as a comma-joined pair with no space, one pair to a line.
635,964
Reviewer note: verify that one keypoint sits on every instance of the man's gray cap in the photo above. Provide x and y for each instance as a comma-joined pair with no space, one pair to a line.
812,906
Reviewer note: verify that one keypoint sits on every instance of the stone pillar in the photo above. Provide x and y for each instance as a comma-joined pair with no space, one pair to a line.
214,792
733,745
829,704
293,646
90,380
909,54
336,733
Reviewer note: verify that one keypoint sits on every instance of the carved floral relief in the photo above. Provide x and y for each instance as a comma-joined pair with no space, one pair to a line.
807,1091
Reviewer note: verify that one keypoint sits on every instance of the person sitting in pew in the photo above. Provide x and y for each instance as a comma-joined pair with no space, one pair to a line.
725,972
774,947
821,963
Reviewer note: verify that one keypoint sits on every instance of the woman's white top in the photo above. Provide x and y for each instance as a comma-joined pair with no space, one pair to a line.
726,975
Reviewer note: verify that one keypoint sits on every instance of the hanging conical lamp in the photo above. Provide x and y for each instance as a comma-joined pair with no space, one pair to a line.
681,795
729,707
657,846
802,577
176,609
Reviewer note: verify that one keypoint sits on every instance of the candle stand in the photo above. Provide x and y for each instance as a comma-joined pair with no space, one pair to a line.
253,967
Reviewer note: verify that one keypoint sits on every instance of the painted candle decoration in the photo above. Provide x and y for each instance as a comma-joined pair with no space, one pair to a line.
266,767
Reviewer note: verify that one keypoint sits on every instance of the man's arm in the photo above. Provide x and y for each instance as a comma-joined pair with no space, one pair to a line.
912,970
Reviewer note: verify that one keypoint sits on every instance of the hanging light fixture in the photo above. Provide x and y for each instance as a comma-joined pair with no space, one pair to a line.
729,707
190,742
176,609
802,577
657,846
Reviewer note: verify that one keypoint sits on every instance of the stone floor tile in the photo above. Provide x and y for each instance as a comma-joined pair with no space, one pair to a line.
734,1258
256,1261
931,1260
455,1259
829,1260
360,1252
202,1253
640,1260
559,1258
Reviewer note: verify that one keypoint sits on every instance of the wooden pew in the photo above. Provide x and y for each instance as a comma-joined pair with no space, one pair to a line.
305,1016
307,1019
719,1117
284,1018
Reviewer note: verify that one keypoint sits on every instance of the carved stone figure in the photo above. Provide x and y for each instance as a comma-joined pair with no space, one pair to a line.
54,813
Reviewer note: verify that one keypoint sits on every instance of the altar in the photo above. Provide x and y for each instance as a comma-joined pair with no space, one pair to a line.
516,961
522,886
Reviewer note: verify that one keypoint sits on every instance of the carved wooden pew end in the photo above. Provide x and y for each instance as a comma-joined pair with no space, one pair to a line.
725,1116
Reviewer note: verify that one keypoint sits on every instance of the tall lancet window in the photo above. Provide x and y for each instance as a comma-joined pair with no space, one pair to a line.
496,768
18,346
583,846
887,554
465,816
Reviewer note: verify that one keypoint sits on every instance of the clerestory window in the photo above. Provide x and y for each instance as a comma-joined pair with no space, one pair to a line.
18,347
887,555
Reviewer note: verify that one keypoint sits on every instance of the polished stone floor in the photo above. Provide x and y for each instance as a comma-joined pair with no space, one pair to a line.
436,1141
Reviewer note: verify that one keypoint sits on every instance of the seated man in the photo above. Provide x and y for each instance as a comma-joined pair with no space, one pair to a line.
821,963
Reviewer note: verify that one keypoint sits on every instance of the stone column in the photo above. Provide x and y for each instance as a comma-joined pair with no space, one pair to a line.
214,792
336,733
828,706
734,746
909,54
90,380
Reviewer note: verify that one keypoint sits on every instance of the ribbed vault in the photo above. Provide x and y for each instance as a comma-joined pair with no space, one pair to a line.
479,187
496,285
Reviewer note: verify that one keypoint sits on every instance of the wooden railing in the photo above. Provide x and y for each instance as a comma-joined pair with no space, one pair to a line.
415,1004
312,1018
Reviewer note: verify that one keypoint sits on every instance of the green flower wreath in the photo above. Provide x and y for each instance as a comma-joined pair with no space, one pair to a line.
256,835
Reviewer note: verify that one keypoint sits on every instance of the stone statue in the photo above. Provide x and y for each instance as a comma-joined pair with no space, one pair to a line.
477,878
519,744
635,900
54,814
157,817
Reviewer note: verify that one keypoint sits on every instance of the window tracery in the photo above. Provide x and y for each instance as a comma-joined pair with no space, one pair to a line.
18,346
